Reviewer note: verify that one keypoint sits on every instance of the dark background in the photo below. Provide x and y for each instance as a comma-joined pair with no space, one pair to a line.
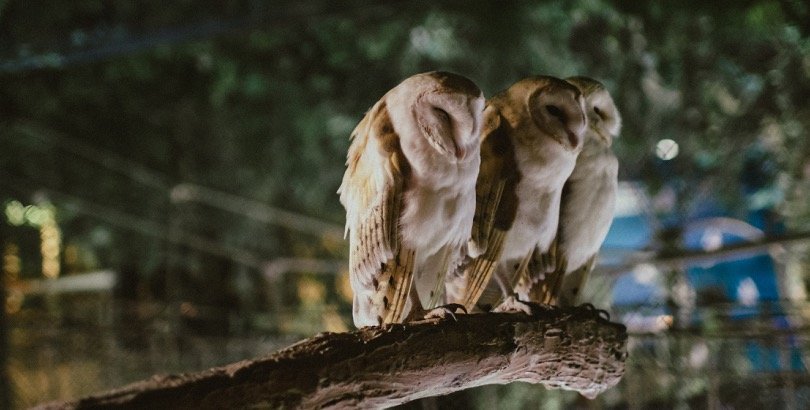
191,150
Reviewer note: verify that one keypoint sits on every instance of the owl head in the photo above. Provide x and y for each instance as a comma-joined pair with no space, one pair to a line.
548,107
437,114
604,121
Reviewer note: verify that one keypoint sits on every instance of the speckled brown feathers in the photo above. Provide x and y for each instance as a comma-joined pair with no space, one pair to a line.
375,255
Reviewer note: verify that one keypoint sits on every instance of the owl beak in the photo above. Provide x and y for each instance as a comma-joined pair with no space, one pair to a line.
605,138
461,152
573,139
460,149
575,131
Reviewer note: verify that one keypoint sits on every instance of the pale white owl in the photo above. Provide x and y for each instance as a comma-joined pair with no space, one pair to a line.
532,135
409,194
588,201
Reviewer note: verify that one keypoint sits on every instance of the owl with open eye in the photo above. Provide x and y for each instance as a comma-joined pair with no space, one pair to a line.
409,195
533,132
588,201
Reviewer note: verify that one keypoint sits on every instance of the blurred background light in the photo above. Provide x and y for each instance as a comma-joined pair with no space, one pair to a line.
666,149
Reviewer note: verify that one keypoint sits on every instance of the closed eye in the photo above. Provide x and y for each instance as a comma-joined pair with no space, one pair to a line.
556,112
599,113
441,114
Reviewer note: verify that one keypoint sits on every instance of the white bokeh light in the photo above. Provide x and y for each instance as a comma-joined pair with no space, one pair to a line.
747,292
666,149
645,273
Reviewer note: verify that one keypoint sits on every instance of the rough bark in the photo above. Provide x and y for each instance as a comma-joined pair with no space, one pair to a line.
571,348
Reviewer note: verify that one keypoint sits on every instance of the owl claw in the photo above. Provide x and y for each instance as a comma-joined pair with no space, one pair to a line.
442,312
512,305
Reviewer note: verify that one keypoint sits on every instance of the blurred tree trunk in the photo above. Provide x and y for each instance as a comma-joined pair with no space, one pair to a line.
572,348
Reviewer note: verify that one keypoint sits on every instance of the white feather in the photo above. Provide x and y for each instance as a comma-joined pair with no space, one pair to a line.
589,203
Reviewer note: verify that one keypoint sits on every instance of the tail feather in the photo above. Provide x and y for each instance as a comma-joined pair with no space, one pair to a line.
480,272
399,275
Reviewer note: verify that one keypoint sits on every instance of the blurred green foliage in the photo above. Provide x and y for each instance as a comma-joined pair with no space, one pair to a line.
105,106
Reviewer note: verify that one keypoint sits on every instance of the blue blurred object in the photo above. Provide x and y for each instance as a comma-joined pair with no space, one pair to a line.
748,285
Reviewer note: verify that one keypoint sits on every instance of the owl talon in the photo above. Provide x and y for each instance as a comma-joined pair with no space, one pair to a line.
513,305
442,312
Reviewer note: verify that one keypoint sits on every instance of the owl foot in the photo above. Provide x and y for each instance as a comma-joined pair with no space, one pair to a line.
513,305
440,312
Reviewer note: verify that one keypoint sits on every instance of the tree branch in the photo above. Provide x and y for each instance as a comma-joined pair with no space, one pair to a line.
568,348
674,260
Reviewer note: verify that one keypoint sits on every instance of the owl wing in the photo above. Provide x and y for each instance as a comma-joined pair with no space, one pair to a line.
537,279
573,283
545,274
495,204
381,270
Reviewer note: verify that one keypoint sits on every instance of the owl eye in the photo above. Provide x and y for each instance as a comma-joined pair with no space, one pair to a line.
599,112
441,114
556,112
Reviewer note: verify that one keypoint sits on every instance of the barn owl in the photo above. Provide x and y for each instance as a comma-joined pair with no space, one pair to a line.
532,134
588,201
409,194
